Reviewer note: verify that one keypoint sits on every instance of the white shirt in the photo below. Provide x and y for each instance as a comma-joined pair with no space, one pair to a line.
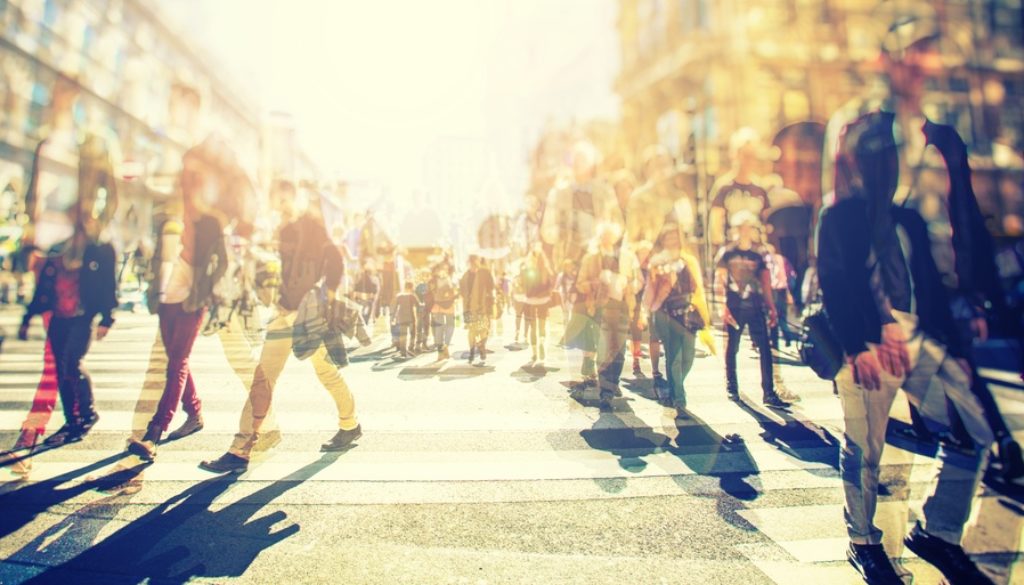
177,281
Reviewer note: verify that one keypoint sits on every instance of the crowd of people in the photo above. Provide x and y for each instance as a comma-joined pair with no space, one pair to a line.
619,260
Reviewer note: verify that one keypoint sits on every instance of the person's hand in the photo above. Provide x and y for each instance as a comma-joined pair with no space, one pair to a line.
773,317
979,328
866,370
23,332
892,353
101,332
728,319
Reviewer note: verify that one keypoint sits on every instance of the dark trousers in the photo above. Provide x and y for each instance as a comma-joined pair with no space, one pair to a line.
612,346
178,331
752,318
422,327
782,308
69,339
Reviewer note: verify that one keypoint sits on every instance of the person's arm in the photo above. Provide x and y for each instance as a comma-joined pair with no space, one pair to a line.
716,225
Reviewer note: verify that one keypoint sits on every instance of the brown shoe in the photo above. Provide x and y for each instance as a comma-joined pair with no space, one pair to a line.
192,425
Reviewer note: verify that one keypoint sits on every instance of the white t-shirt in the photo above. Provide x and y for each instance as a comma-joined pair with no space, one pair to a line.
177,281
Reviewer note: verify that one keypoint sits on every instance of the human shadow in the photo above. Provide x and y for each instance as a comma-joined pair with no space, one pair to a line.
21,505
797,438
184,539
622,433
531,372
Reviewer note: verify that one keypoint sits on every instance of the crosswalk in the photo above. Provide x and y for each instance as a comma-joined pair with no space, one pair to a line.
507,435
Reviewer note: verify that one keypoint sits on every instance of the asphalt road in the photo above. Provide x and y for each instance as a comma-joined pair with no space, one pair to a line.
463,475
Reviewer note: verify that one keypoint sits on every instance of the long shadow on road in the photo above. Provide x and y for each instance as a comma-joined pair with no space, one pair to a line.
182,538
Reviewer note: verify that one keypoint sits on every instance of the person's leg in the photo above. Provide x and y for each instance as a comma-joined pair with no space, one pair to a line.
755,320
865,416
178,330
947,506
732,347
335,385
276,349
687,350
542,332
57,336
79,338
45,398
664,325
614,332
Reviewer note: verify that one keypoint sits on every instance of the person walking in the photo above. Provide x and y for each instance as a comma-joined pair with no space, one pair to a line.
403,316
536,280
184,288
309,261
477,290
442,294
741,276
78,282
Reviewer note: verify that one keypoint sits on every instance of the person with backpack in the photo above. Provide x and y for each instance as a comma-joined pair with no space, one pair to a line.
184,287
310,265
442,294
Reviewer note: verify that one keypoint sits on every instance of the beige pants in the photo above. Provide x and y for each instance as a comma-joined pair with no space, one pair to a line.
934,378
276,351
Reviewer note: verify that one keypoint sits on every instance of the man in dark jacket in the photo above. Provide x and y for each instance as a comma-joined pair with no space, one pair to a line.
889,309
308,258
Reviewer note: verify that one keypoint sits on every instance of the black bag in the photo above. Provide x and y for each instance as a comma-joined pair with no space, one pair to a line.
818,346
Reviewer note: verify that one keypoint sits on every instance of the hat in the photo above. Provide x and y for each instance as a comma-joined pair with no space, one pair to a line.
908,23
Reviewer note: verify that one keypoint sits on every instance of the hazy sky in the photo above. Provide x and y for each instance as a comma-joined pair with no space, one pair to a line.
374,85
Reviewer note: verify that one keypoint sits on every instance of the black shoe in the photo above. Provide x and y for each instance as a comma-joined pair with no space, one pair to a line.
773,401
69,433
343,439
950,559
733,394
226,463
681,413
605,405
873,564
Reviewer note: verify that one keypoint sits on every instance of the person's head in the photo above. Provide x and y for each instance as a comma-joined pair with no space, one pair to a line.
282,198
657,163
746,226
585,158
408,286
910,53
532,203
474,261
744,149
607,234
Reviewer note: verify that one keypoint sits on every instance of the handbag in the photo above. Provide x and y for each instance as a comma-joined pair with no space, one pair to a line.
818,345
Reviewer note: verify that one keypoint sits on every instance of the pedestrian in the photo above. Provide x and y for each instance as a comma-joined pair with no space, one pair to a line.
890,311
477,291
421,290
403,315
366,292
741,276
536,281
675,300
782,274
309,263
185,286
78,282
608,280
442,295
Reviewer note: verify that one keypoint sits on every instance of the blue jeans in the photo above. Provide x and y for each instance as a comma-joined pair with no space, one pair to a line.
680,345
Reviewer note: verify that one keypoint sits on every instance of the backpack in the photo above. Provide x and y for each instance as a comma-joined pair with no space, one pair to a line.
818,345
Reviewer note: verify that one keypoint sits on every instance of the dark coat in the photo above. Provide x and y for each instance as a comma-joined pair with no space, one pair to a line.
97,285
